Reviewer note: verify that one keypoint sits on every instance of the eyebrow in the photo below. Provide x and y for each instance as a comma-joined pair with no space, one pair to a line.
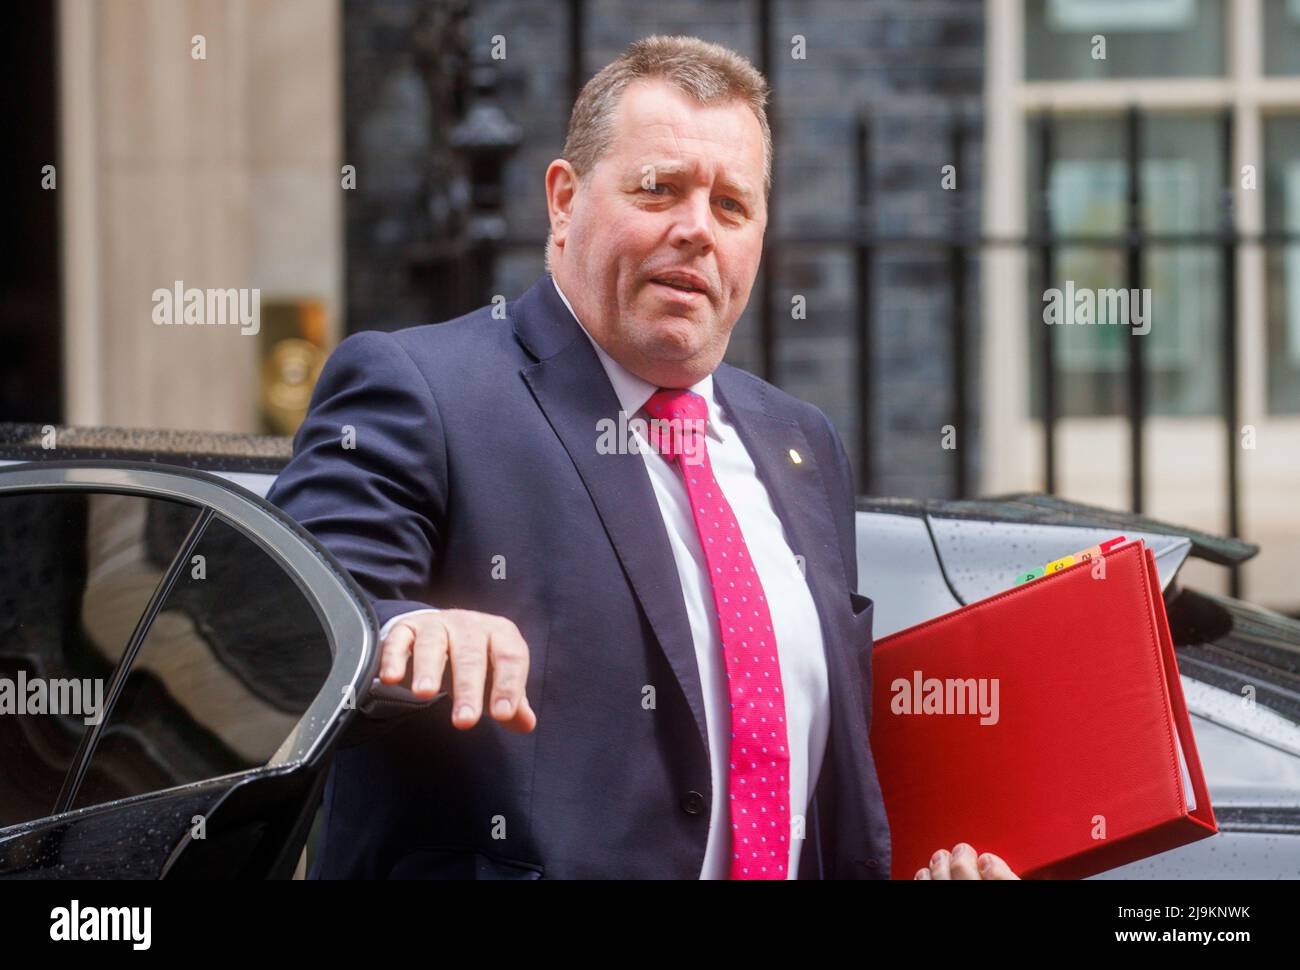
671,168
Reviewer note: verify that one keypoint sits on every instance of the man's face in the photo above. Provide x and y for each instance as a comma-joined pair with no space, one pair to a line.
657,249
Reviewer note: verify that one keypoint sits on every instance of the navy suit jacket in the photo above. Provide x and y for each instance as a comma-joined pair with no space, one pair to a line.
474,481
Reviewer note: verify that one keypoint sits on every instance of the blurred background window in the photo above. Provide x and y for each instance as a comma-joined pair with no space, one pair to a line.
1182,174
1207,431
1143,38
1282,36
1282,215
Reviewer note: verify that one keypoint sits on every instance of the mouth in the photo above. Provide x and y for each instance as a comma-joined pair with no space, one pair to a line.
681,287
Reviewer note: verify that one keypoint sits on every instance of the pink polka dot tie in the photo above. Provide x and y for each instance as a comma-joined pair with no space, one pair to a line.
759,763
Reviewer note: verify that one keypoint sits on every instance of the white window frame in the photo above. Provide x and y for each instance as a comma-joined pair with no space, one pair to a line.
1012,440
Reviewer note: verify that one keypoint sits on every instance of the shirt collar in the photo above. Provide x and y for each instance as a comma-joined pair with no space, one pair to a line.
633,392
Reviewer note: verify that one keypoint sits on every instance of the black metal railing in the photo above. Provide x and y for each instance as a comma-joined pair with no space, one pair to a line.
1136,242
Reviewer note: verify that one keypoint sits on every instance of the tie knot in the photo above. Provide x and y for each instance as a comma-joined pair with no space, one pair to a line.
677,422
672,402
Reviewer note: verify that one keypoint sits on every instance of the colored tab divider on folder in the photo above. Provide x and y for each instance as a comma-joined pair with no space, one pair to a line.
1082,555
1045,724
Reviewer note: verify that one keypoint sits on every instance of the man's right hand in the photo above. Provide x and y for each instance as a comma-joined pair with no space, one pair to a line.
473,650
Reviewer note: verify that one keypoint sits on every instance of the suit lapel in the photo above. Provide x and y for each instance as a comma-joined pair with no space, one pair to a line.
573,391
797,490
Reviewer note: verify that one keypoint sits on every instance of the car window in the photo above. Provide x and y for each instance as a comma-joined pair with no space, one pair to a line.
233,659
76,572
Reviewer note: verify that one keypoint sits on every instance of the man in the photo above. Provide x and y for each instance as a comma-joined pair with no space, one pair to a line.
641,559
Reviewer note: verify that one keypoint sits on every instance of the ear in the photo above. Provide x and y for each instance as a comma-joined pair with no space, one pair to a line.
561,192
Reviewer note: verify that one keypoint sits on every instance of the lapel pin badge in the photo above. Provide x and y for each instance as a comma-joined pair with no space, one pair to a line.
795,458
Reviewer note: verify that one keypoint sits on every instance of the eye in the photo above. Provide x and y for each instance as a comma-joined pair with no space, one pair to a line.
739,209
651,188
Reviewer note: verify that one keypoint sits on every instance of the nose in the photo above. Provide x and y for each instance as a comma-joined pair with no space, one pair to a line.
693,227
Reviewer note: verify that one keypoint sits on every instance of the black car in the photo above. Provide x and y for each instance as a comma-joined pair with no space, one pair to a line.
232,653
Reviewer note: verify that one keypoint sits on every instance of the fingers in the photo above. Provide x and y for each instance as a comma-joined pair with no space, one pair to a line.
508,656
392,659
992,867
963,863
939,865
524,719
429,659
479,648
469,664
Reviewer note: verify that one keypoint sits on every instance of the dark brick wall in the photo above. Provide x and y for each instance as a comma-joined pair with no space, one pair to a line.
910,64
387,139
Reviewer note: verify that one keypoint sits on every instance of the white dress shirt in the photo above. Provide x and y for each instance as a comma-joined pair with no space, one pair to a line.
795,622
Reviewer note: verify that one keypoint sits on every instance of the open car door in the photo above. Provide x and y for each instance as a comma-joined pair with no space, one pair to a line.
177,660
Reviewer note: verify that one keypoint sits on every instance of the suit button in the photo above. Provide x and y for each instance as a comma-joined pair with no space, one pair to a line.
692,803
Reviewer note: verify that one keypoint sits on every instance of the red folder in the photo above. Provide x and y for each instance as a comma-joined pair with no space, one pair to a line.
1045,724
